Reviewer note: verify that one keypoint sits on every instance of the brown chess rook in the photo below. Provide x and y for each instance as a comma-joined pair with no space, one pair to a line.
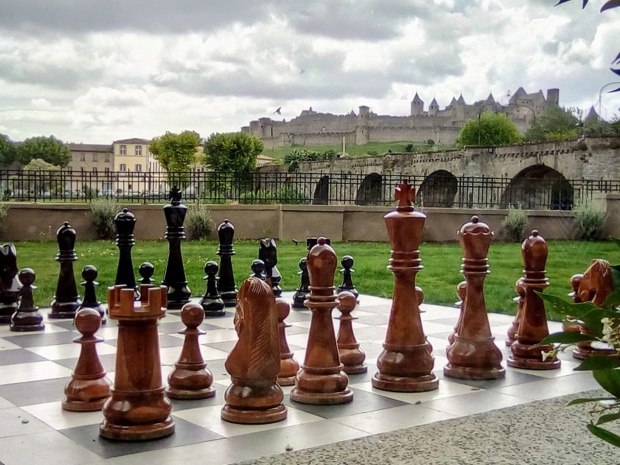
594,285
526,351
511,334
406,362
321,379
138,408
473,354
460,293
190,378
254,395
351,356
288,365
89,386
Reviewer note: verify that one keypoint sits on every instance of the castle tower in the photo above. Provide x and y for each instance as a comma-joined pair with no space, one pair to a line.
361,131
417,106
553,96
460,108
433,108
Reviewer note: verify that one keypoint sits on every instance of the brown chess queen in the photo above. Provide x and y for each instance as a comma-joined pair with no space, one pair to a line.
406,362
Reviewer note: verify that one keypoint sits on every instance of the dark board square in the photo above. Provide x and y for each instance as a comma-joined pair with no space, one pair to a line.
35,392
40,340
18,356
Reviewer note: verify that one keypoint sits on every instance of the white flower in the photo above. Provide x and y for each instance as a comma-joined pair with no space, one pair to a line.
607,329
546,355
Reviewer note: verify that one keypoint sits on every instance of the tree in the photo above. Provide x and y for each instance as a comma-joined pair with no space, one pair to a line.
8,152
48,149
176,153
232,152
489,129
556,123
38,177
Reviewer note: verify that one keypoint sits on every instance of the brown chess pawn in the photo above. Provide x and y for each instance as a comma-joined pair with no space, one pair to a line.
351,356
526,351
138,408
321,379
190,378
288,365
511,334
406,362
473,354
89,386
254,395
27,316
460,293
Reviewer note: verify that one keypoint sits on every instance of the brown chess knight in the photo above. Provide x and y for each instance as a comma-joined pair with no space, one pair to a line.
254,395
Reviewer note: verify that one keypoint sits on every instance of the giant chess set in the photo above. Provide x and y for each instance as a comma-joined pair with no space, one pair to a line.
247,370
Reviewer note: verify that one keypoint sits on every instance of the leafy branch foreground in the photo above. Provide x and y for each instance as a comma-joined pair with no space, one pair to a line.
439,277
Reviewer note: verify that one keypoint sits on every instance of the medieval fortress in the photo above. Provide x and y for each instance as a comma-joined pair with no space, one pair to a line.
442,126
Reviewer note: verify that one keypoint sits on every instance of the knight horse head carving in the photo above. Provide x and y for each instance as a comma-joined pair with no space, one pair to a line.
8,266
596,283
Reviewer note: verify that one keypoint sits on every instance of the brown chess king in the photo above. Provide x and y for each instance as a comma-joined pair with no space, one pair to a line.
406,362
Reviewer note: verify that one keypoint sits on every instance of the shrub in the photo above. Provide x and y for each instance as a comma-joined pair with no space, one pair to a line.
103,212
199,222
588,223
409,148
258,197
514,224
288,195
3,215
372,153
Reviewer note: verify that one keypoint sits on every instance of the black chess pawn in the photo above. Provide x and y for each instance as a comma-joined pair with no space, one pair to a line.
268,253
125,223
66,300
10,287
347,270
174,275
89,274
211,302
146,272
301,293
27,316
226,279
258,270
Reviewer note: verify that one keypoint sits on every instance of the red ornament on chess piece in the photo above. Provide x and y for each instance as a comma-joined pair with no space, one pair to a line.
89,386
406,363
473,354
533,328
351,356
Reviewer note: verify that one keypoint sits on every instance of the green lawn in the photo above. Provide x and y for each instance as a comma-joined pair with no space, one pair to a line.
438,278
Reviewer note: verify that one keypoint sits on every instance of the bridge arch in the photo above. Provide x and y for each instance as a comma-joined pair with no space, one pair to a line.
370,190
539,187
438,189
321,192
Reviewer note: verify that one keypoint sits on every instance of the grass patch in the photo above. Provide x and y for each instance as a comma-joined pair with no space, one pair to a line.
438,279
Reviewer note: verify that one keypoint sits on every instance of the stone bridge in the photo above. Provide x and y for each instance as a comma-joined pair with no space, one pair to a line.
553,175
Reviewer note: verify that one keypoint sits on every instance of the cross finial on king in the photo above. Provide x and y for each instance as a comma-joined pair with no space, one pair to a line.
405,194
175,196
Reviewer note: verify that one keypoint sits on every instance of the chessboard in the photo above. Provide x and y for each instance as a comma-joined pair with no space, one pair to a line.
35,367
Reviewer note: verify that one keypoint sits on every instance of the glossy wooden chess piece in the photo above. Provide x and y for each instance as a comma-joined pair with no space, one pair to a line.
288,365
254,395
138,408
27,317
511,334
89,387
10,287
321,379
125,223
66,300
406,362
190,378
473,354
226,278
351,356
347,280
526,351
174,274
211,301
89,274
461,290
595,285
301,293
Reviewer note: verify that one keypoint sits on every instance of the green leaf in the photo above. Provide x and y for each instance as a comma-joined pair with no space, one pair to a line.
593,319
557,304
585,401
566,337
605,435
607,418
609,380
613,299
599,363
615,270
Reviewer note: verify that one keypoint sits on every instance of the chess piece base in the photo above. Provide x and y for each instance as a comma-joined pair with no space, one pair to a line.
585,350
355,370
287,381
529,357
509,342
137,432
298,300
189,394
533,364
27,328
5,314
86,395
474,372
252,416
83,406
176,305
405,384
211,313
322,398
63,311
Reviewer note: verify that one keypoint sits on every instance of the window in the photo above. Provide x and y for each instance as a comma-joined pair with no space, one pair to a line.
138,168
82,157
107,170
123,167
123,150
107,158
94,157
138,150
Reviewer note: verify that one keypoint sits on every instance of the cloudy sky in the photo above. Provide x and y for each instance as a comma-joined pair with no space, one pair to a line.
95,71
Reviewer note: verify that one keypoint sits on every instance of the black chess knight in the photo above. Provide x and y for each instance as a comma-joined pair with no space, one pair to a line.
10,286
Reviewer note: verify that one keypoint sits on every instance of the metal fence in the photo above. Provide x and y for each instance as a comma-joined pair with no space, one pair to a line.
438,190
